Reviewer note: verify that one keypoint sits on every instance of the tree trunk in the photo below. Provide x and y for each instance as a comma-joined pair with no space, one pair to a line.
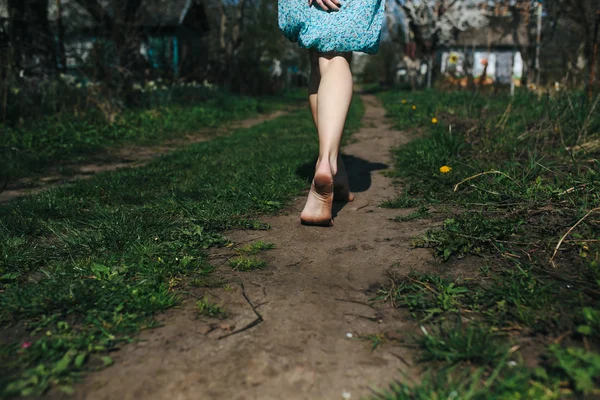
594,58
31,36
61,36
429,70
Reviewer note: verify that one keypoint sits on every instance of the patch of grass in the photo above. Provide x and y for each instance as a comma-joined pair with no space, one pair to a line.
246,264
581,367
376,340
426,295
458,343
503,383
422,212
468,233
521,177
209,309
255,248
29,146
83,268
403,201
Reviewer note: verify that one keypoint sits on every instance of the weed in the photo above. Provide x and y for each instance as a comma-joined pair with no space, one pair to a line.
426,295
504,383
255,248
376,340
581,367
468,233
422,212
457,343
208,309
402,201
245,264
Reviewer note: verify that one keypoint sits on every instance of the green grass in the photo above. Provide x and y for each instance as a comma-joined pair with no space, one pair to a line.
420,213
255,248
523,172
33,144
403,201
246,264
83,268
209,309
454,343
502,383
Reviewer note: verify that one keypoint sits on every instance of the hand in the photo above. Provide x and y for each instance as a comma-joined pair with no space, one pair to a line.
326,5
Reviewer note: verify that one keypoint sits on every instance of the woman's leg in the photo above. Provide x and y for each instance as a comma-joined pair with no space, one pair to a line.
330,93
340,181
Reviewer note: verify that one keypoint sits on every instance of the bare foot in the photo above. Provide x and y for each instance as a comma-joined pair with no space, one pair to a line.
317,210
341,186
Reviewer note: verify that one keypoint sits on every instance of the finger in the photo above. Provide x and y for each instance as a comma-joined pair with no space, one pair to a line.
322,5
331,5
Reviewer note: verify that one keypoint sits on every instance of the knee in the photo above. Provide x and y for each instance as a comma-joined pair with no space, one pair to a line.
327,61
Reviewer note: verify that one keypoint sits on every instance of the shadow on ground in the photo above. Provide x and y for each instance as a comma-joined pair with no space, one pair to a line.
359,173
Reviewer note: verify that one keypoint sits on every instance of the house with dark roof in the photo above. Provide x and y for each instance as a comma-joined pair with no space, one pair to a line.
173,32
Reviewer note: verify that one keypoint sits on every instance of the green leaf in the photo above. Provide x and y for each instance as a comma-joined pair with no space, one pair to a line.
107,361
584,330
69,390
62,365
80,359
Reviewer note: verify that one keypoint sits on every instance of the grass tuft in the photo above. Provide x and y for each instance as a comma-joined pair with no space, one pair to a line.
246,264
209,309
255,248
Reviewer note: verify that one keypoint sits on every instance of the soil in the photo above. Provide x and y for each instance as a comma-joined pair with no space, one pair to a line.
299,328
119,157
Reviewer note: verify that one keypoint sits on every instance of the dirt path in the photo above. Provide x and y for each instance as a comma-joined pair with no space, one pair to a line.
315,291
127,156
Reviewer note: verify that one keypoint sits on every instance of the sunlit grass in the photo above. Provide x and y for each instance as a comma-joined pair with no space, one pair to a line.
85,267
515,174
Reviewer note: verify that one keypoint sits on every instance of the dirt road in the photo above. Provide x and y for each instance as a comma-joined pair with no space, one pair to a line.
314,299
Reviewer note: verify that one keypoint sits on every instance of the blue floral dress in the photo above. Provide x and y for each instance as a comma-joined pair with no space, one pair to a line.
356,27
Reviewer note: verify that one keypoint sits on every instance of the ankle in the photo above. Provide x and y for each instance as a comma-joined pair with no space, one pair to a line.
330,162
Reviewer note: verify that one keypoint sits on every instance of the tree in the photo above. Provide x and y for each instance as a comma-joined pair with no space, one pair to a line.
582,19
30,36
119,22
434,23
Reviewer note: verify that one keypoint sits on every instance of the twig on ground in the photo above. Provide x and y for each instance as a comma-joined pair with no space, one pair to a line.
484,173
258,320
562,239
372,319
356,302
399,357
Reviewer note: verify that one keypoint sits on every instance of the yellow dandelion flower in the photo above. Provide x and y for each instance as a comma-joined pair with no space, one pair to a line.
445,169
434,120
404,101
414,107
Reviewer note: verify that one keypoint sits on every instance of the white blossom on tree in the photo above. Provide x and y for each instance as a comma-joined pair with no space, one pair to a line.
440,21
431,23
